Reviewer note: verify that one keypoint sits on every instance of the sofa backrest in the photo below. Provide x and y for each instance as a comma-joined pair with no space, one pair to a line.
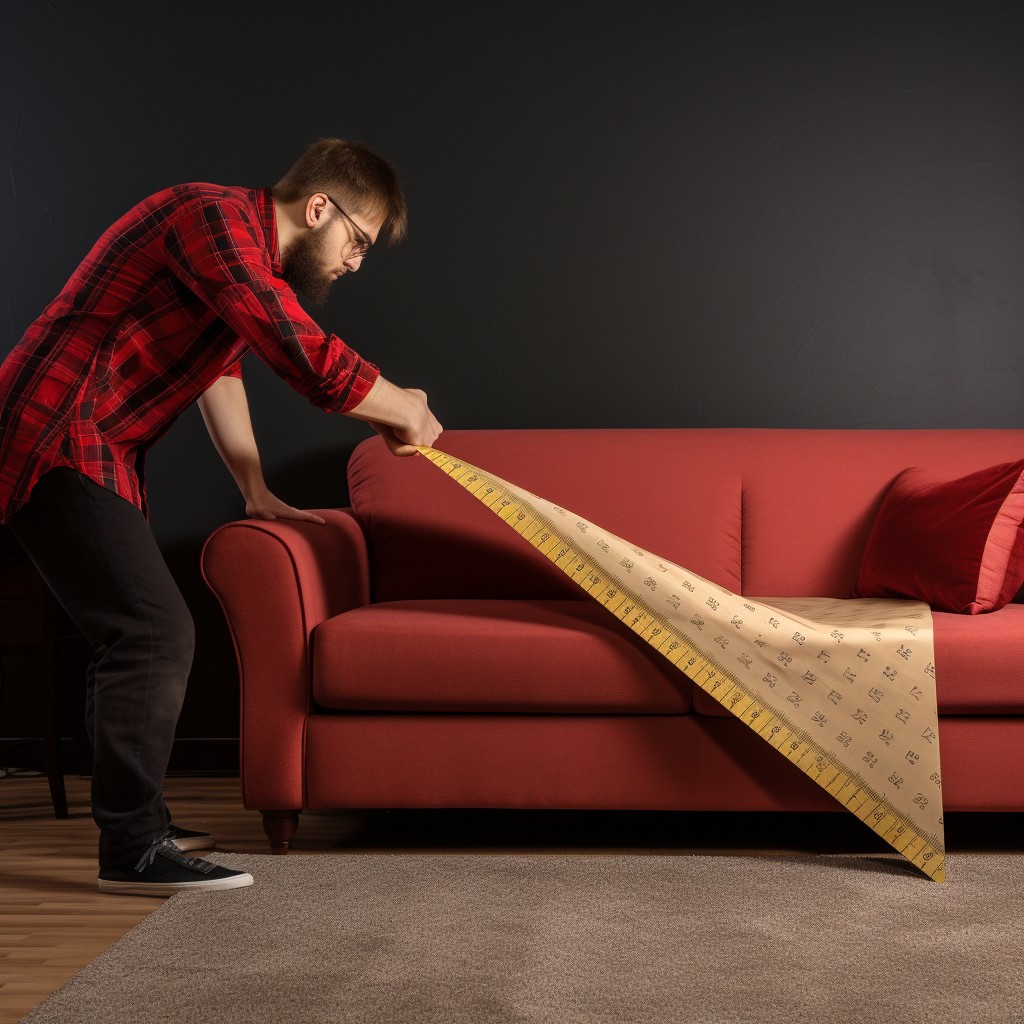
763,512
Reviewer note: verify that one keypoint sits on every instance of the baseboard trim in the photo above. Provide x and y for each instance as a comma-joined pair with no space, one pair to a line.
216,755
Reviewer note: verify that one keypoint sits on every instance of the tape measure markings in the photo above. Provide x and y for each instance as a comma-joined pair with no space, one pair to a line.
754,708
792,741
897,823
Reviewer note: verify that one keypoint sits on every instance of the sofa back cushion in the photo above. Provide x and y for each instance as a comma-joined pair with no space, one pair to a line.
759,511
673,491
811,497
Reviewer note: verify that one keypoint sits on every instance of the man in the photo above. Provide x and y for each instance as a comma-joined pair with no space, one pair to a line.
157,316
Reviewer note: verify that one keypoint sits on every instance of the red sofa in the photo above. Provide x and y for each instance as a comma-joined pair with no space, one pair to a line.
417,652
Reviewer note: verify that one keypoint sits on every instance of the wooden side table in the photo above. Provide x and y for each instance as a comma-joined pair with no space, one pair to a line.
33,622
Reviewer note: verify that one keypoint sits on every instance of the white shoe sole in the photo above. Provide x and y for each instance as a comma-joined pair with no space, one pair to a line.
170,888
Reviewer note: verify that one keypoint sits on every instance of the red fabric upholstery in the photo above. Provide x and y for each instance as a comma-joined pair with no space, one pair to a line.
978,661
640,762
550,656
562,656
276,579
431,538
957,544
554,761
811,497
415,651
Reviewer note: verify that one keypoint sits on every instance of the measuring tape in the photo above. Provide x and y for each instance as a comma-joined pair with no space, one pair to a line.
885,649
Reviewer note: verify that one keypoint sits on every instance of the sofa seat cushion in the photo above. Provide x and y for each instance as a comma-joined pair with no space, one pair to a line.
977,664
978,660
450,655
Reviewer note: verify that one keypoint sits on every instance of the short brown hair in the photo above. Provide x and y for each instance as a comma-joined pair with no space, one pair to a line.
358,178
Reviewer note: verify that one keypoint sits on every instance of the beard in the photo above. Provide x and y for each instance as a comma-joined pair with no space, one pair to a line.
302,266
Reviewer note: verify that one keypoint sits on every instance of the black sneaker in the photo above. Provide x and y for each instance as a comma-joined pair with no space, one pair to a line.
164,870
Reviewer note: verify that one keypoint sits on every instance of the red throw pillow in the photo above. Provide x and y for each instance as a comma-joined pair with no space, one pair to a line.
956,544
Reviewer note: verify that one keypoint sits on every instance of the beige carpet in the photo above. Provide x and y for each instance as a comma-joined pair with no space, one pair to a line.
394,938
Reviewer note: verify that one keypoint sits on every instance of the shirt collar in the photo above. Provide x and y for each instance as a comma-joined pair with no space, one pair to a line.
264,201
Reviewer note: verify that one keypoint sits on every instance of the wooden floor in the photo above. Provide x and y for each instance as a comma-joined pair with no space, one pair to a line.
54,921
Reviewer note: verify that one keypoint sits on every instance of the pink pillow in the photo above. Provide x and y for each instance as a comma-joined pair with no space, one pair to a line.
956,544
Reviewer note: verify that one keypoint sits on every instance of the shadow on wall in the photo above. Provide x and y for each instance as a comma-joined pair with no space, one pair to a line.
315,479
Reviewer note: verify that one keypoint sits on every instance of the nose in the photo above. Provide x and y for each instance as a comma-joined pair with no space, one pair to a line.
353,262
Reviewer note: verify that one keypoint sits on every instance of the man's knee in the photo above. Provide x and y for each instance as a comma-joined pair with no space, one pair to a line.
171,659
176,635
166,635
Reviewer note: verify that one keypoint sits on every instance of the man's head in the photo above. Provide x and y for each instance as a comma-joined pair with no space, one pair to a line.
330,207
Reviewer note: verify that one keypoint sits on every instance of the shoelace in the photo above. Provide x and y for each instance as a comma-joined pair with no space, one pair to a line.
163,845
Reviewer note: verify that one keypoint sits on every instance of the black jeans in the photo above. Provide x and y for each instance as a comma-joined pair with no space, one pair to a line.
98,555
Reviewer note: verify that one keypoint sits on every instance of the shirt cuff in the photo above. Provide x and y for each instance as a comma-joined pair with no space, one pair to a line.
364,376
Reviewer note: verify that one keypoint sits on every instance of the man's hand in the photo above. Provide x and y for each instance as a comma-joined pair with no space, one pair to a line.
423,428
400,415
265,505
395,445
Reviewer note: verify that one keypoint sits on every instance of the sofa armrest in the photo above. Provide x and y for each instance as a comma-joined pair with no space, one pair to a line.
276,581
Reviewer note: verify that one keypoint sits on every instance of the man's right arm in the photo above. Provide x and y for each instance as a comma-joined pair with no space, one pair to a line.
216,250
400,415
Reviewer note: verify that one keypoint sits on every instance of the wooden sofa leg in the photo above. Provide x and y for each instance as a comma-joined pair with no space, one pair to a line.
280,826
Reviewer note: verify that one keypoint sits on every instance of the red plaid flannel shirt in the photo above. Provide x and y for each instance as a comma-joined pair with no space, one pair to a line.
167,300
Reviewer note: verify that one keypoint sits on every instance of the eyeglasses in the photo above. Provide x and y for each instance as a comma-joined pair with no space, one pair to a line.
363,243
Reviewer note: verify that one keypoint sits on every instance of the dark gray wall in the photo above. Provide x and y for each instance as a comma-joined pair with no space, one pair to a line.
741,214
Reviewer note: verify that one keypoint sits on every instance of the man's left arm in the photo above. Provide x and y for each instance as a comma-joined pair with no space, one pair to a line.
225,410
